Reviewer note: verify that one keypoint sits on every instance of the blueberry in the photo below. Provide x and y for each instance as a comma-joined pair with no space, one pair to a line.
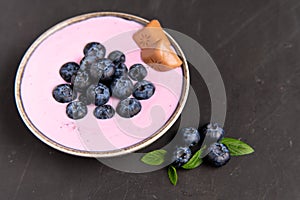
94,49
87,61
102,94
81,81
68,70
120,70
129,107
181,156
83,98
117,57
76,110
63,93
122,87
102,70
99,94
137,72
190,136
214,131
218,155
104,112
143,90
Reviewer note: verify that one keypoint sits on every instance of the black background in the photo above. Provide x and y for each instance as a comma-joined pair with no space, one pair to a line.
255,44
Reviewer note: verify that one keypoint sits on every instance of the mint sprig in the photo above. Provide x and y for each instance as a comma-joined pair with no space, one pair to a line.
195,160
172,173
155,158
237,147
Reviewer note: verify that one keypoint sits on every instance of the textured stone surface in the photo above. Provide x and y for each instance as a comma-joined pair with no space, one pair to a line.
255,44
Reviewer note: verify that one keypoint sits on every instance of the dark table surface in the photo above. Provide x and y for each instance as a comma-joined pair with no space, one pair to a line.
255,44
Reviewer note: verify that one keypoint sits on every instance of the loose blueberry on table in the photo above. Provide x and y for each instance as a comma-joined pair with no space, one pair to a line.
189,136
97,79
213,131
218,153
181,156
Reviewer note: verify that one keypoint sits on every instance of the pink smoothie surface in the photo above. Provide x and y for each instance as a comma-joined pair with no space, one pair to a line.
41,75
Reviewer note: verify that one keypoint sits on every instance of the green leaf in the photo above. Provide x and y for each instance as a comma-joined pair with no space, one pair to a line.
172,173
156,157
195,161
237,147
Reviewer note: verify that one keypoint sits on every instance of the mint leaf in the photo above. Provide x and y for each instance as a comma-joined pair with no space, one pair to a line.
237,147
156,157
195,161
172,173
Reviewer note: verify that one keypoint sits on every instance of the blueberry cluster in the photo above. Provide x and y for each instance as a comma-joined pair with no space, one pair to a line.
96,79
218,154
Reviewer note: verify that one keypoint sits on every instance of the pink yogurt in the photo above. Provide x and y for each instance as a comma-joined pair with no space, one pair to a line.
41,75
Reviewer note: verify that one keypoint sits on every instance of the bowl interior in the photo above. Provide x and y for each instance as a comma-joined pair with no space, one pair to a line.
87,131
